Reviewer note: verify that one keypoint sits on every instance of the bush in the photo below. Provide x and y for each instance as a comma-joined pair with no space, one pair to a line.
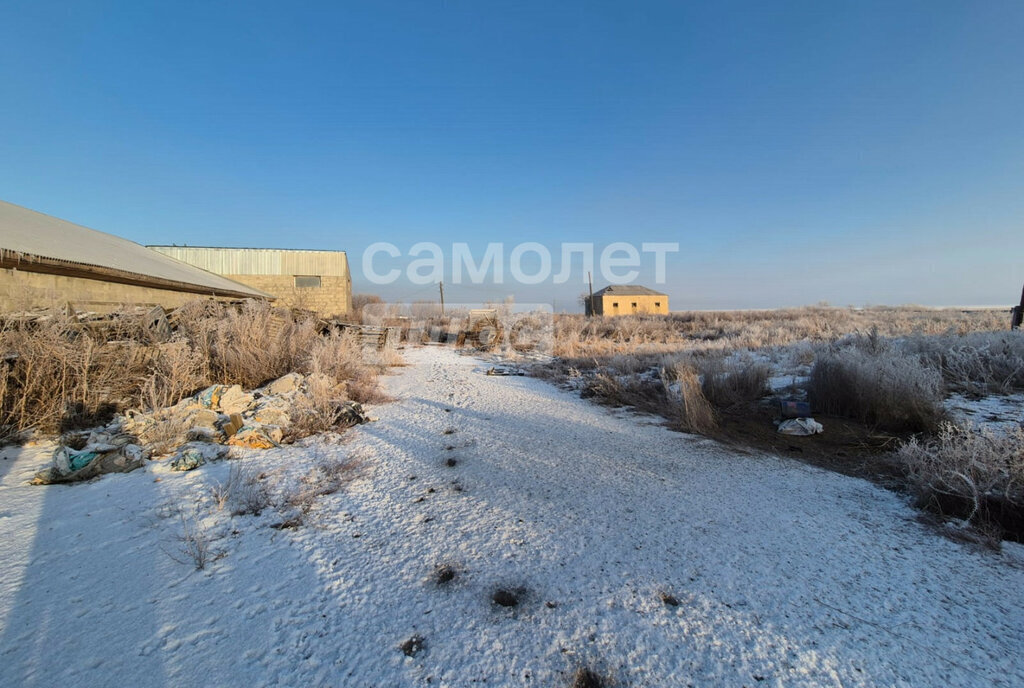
56,373
56,376
975,363
976,463
885,388
730,382
246,492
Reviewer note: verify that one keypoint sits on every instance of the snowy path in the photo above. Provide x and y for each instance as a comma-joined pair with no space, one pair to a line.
784,574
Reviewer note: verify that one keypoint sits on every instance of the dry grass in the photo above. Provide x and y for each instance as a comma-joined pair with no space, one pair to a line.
194,544
728,383
976,363
578,336
57,375
882,387
246,492
326,477
975,463
692,410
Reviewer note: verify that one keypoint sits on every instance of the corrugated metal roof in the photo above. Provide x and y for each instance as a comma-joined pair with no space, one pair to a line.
29,234
628,290
260,261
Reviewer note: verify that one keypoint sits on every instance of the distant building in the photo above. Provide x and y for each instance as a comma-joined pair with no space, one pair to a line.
627,300
315,280
45,261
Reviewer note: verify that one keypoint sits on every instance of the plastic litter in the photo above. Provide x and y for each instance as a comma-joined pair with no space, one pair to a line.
187,460
75,465
256,436
210,397
801,427
194,455
351,413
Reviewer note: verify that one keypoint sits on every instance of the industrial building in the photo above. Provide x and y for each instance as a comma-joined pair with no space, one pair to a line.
314,280
627,300
45,261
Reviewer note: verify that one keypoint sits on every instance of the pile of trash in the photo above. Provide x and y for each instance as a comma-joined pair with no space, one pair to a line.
796,420
82,456
194,431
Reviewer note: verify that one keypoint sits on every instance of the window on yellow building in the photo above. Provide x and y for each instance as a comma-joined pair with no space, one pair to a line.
307,281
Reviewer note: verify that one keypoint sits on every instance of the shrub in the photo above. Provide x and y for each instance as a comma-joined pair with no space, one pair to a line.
56,373
195,544
888,389
976,463
247,493
56,376
640,392
730,382
975,363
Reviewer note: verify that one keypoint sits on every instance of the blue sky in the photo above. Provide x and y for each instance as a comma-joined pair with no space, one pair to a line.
861,152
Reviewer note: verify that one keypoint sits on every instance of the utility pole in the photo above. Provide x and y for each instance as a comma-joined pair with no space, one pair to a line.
590,304
441,285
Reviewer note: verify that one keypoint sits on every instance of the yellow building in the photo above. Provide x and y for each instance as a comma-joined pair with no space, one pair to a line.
313,280
627,300
46,261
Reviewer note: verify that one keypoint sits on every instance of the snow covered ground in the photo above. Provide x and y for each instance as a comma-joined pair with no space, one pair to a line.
783,574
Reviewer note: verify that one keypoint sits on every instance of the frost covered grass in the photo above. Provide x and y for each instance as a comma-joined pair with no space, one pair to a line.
977,363
57,374
883,387
195,544
880,377
977,463
733,382
245,490
579,337
688,404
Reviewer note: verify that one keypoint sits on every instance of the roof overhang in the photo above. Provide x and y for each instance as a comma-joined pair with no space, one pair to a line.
30,263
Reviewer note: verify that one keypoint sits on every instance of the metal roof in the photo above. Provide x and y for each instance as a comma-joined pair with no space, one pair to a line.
260,261
32,241
628,290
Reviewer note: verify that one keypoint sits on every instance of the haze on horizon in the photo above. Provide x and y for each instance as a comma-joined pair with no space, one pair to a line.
854,153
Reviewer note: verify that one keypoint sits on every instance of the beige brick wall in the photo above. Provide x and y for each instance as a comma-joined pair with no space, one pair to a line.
333,297
619,304
20,290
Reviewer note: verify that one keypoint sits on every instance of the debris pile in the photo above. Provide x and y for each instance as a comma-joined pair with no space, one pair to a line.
83,456
195,431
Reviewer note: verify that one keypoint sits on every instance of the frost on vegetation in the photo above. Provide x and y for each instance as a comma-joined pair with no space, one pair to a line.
973,462
244,491
878,385
977,363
